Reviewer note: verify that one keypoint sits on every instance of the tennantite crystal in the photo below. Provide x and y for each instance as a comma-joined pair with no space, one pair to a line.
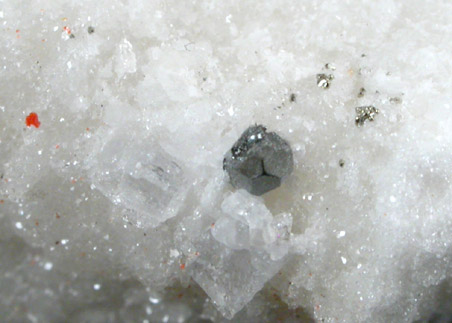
258,161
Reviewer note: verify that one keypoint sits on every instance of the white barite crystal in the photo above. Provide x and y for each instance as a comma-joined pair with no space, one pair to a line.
140,176
245,239
126,61
116,209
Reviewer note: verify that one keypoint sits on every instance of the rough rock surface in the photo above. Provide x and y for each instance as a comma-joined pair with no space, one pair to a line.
114,206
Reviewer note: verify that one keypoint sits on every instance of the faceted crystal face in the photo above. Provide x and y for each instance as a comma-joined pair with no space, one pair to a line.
365,113
113,202
258,161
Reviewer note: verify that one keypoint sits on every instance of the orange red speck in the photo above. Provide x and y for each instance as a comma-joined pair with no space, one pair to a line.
182,266
32,120
67,29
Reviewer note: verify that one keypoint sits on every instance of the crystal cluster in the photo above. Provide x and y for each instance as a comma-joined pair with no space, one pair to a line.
115,117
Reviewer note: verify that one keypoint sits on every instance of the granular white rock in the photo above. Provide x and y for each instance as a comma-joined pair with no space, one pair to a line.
121,186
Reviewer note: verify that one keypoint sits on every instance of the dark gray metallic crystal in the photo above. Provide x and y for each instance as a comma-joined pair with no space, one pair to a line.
258,161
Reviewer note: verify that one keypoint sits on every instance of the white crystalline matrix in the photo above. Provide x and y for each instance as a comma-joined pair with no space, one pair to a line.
114,120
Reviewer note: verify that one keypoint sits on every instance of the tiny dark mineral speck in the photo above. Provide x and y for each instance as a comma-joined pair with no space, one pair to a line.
258,161
361,93
330,66
90,29
395,100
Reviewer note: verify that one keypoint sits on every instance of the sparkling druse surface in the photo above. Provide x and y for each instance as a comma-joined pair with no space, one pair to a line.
114,120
